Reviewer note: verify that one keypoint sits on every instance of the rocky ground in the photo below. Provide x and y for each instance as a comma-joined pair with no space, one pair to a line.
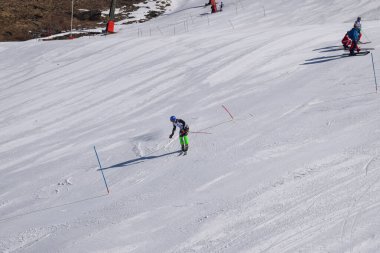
23,20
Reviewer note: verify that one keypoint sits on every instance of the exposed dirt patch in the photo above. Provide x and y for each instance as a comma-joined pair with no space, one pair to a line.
27,19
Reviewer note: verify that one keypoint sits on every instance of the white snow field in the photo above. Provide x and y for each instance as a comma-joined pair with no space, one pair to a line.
296,170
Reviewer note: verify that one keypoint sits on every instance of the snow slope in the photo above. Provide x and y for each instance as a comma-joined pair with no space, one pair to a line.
296,170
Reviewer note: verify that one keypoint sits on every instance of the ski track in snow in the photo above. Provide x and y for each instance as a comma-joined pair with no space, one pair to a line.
295,170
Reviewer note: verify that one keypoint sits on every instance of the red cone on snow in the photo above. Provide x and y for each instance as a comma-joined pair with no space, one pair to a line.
111,26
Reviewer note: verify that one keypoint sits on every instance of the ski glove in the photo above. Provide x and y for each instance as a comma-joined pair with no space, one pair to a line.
170,136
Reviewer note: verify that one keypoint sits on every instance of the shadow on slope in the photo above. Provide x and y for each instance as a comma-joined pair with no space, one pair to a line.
52,207
327,48
324,59
364,51
139,160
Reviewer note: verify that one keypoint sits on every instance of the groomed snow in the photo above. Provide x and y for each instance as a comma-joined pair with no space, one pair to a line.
296,170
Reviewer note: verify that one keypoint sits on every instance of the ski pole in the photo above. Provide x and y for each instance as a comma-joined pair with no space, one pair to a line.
170,142
199,132
366,36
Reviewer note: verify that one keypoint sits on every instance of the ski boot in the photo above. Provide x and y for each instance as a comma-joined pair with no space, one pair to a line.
185,149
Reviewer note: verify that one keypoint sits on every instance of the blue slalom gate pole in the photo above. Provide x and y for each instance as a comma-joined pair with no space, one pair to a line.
101,170
374,72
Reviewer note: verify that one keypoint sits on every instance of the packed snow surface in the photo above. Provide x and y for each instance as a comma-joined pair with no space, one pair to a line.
295,169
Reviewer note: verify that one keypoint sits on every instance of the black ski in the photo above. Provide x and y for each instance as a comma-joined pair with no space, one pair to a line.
339,49
362,48
358,54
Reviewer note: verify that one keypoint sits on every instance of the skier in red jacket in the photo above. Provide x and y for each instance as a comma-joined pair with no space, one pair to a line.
213,5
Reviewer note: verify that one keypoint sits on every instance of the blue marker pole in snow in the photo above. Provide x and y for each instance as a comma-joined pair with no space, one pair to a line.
374,72
101,170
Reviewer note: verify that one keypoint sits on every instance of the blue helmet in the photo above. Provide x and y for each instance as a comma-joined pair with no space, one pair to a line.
173,118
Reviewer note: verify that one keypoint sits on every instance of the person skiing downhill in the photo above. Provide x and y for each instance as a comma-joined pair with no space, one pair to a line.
347,39
354,35
183,132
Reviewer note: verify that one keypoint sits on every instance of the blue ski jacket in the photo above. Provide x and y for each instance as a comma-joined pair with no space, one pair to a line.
354,34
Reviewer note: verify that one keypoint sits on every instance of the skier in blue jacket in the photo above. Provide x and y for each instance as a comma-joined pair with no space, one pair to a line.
354,35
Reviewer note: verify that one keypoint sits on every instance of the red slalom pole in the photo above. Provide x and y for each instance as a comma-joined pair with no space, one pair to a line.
200,132
232,117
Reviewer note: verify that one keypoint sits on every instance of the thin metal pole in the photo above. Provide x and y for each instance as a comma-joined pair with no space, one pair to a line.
374,72
158,28
192,20
366,37
225,108
233,27
101,170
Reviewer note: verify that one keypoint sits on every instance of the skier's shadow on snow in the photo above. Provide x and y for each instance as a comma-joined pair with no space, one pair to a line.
327,48
324,59
331,50
139,160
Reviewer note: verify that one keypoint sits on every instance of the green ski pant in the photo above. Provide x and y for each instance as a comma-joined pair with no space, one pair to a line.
184,140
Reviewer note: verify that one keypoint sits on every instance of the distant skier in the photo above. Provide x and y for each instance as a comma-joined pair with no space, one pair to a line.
213,5
213,8
183,132
354,35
